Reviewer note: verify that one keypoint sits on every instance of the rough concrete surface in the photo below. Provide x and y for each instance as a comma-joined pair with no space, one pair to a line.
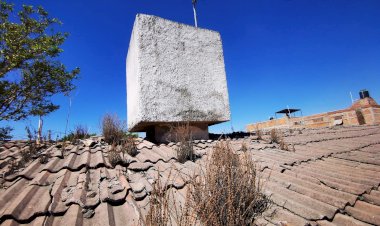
163,134
175,73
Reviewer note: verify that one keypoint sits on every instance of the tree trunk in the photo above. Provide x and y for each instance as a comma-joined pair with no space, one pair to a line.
39,134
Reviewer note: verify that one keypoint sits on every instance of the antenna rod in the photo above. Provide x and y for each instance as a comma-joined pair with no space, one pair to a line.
195,12
68,115
352,99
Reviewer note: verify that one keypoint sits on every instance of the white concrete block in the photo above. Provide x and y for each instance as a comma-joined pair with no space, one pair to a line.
175,73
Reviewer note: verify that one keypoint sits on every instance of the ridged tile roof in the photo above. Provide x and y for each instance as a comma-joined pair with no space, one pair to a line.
332,178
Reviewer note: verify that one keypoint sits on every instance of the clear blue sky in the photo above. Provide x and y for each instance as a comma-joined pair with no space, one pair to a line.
305,54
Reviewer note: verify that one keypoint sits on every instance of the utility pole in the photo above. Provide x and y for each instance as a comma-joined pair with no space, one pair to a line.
195,12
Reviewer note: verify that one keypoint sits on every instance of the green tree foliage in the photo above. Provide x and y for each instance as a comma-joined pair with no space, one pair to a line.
30,72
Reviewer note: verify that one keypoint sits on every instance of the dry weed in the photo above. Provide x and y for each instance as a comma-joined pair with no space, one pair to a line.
2,183
13,166
124,146
243,147
283,146
286,147
183,135
114,156
259,133
165,209
128,145
44,158
228,192
80,132
113,129
27,154
275,136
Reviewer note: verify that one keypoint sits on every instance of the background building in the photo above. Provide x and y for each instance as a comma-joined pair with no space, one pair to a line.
363,111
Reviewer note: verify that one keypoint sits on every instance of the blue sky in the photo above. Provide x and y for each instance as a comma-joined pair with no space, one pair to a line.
305,54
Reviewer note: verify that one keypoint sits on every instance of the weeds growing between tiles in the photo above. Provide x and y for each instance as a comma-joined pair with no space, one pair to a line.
115,134
228,192
183,135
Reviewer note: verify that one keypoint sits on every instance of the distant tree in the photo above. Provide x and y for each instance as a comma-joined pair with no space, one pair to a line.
5,133
195,12
30,73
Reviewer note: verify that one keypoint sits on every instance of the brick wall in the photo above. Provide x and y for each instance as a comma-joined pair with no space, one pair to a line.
348,116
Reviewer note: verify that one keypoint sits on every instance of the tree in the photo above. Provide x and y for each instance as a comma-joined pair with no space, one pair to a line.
30,72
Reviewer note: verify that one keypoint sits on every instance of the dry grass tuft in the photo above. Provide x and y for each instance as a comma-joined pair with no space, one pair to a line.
159,205
113,129
128,145
81,132
275,136
286,147
13,166
183,135
27,154
228,192
114,156
165,209
2,183
244,147
283,146
115,134
44,158
259,133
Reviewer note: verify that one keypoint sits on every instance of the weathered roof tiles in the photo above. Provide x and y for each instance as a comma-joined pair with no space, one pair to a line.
332,178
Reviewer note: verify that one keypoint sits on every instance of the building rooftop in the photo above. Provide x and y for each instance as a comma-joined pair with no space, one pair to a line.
332,178
365,102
